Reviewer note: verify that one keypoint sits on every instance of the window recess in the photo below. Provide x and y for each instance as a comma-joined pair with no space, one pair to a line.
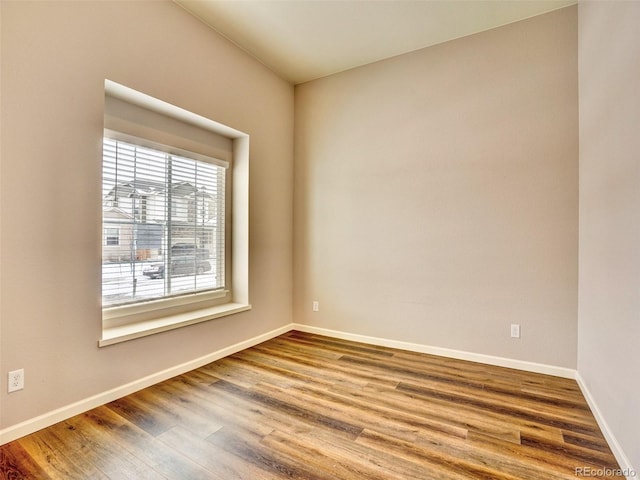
171,182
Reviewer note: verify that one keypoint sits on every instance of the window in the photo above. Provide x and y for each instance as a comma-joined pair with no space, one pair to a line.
111,236
167,251
172,183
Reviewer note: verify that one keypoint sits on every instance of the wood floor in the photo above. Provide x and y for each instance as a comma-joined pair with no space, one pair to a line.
309,407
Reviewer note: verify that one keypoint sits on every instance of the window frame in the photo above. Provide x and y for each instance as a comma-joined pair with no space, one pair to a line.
216,296
130,321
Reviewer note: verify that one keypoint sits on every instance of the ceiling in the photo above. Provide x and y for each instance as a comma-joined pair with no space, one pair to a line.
302,40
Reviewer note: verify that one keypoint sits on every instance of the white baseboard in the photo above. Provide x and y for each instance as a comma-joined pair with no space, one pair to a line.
47,419
444,352
623,461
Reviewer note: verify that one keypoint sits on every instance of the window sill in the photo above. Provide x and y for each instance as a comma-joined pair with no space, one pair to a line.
123,333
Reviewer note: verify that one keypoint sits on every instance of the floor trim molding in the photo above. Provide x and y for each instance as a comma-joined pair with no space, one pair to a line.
621,457
443,352
47,419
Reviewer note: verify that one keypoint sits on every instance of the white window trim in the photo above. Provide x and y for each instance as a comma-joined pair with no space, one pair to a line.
148,318
131,331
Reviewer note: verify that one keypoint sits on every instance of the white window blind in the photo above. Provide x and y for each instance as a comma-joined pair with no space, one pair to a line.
163,222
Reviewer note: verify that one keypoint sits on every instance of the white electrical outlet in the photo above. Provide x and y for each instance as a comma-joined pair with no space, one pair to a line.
315,306
16,380
515,330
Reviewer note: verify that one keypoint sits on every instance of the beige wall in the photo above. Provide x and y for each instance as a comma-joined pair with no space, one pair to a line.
55,58
436,195
609,307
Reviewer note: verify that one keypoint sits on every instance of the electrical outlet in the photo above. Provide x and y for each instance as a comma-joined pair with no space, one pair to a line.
16,380
315,306
515,330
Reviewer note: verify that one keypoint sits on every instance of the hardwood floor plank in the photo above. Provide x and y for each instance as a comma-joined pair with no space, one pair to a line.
250,449
266,366
540,464
366,459
315,371
134,411
58,459
128,437
310,357
221,464
434,462
227,410
564,421
469,387
588,441
553,460
309,407
160,402
505,461
339,345
96,449
330,462
299,412
17,464
437,411
363,413
569,450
